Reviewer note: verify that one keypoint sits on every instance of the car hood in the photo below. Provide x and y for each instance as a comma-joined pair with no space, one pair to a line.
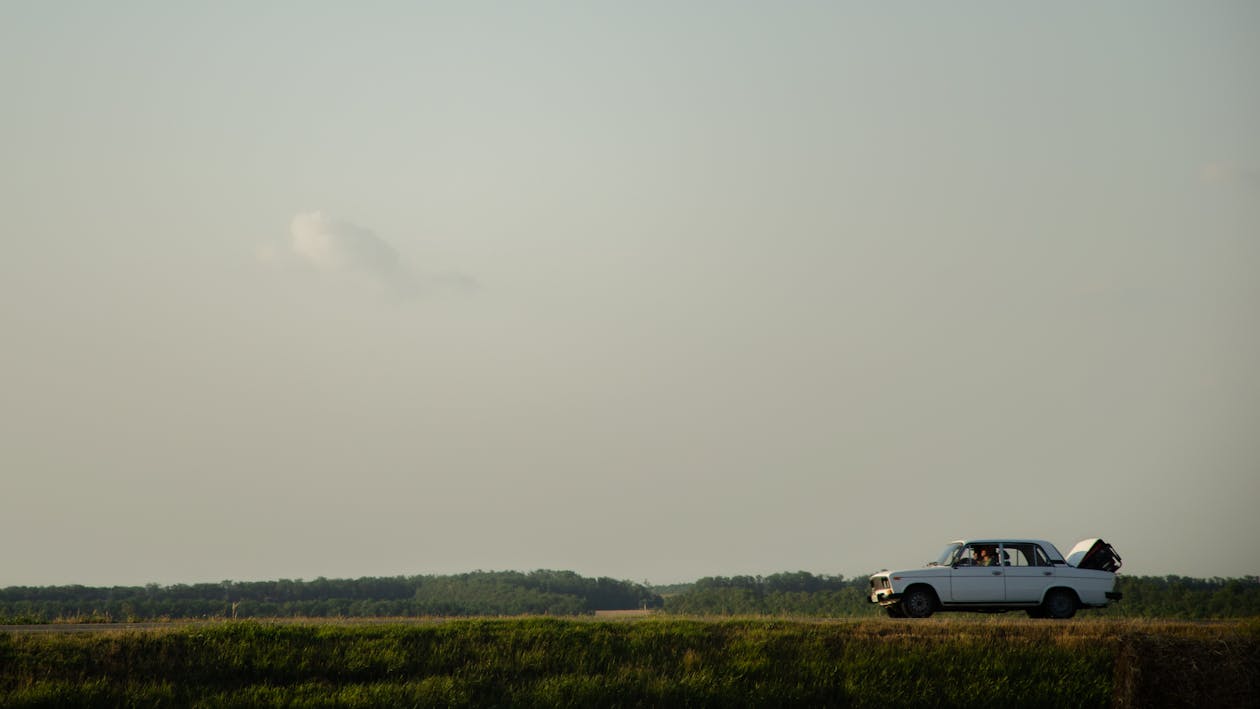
919,572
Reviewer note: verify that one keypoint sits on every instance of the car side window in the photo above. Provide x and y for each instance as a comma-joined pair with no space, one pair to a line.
979,555
1039,557
1018,555
966,557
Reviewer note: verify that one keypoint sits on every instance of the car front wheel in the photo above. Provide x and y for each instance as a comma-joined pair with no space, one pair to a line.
918,603
1059,604
895,611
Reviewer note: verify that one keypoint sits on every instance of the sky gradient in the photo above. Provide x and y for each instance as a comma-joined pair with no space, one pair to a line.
647,290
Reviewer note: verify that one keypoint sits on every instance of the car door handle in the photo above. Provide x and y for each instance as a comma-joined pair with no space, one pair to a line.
997,573
1047,573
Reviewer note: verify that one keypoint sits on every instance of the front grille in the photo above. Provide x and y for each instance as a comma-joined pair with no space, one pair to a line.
879,582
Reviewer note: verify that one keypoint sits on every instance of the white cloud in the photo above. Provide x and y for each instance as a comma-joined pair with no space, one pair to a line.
340,248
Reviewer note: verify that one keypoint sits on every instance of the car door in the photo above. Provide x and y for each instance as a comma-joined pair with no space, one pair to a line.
1028,573
972,583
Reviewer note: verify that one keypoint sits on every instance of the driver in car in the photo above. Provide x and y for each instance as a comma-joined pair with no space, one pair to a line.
985,557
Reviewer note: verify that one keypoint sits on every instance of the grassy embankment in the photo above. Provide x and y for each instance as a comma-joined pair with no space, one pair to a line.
553,662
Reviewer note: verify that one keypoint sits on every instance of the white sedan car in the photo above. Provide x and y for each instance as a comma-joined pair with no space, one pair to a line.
998,575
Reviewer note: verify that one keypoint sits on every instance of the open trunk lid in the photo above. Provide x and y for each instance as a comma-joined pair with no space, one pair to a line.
1094,554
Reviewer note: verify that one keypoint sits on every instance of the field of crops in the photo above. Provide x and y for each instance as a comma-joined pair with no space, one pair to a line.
988,662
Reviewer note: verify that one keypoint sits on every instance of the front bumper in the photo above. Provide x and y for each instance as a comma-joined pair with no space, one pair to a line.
884,597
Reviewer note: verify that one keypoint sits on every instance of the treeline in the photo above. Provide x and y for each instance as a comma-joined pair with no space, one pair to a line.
472,594
798,593
1187,598
494,593
804,594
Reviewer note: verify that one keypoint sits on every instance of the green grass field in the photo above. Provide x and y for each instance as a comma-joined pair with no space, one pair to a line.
537,662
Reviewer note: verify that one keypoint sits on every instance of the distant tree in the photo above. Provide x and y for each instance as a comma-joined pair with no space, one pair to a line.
558,593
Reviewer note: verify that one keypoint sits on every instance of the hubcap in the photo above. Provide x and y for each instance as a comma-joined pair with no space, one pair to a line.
917,603
1060,605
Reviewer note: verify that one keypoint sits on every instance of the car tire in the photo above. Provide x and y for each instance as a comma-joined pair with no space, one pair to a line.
1059,604
918,603
895,611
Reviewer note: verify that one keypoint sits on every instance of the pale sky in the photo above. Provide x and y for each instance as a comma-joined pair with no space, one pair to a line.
651,290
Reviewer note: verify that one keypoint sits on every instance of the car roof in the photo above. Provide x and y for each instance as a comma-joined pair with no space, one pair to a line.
1001,540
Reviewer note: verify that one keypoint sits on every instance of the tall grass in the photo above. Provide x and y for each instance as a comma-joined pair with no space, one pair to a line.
552,662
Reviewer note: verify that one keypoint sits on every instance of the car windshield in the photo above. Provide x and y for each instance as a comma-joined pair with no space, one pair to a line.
947,556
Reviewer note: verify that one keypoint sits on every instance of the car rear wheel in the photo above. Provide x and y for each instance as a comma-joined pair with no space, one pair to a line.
1059,604
918,603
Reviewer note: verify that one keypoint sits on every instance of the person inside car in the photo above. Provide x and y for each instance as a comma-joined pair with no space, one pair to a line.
985,557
